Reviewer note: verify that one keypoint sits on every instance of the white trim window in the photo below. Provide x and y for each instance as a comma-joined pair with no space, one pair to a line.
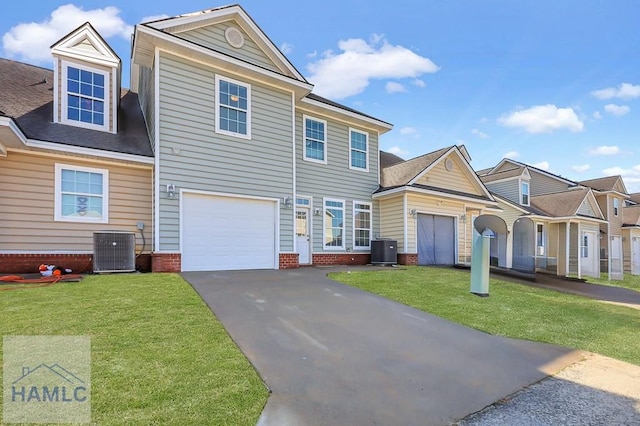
616,207
361,225
333,224
81,194
524,193
358,150
540,239
85,96
315,140
233,108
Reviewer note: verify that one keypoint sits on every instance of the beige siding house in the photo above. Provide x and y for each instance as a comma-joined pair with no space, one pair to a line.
428,204
631,239
75,158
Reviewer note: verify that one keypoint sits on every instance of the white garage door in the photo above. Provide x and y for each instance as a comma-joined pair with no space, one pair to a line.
226,233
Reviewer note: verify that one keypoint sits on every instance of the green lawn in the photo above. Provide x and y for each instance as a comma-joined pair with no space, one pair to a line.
158,354
630,281
513,310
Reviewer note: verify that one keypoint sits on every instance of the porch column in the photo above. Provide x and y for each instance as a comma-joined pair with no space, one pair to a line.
509,251
567,259
579,253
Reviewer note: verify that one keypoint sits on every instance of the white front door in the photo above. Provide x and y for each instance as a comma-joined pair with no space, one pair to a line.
635,255
588,254
616,257
303,243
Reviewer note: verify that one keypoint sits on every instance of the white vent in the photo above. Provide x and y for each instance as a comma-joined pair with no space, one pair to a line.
234,37
114,251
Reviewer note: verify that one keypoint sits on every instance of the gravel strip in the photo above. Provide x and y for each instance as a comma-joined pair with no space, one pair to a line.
595,391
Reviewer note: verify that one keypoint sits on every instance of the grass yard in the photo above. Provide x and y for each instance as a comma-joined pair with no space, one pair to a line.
630,281
158,354
512,310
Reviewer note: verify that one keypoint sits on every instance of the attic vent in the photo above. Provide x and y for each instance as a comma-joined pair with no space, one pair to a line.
234,37
114,251
448,164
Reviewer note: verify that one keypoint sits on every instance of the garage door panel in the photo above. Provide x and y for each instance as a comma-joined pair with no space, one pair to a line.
226,233
436,240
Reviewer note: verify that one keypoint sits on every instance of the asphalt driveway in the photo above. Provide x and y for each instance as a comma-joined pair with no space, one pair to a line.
332,354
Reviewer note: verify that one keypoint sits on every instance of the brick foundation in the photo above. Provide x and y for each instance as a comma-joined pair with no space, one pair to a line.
408,258
78,263
321,259
166,262
288,260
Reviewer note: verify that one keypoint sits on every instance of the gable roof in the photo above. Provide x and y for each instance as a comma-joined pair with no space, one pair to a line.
27,97
193,20
605,184
561,204
388,159
102,53
631,215
406,173
506,174
635,197
544,172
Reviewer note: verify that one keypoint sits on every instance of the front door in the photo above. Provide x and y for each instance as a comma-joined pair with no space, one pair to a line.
302,235
635,255
588,254
616,257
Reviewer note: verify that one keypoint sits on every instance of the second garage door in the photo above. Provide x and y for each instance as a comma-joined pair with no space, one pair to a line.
228,233
436,240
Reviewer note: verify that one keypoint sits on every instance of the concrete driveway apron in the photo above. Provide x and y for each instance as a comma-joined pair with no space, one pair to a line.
335,355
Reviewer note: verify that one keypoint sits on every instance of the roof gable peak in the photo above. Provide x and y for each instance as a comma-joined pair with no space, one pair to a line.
85,43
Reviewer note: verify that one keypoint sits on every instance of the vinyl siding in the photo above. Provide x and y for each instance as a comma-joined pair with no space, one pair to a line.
541,184
193,156
213,37
458,179
586,209
27,208
616,221
508,189
335,179
628,236
147,100
508,214
392,220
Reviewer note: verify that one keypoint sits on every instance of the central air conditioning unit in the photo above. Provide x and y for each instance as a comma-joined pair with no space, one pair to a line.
114,251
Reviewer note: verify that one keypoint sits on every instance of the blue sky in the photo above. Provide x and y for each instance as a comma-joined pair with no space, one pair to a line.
555,84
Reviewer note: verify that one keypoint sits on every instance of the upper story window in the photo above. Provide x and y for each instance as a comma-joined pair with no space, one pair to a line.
233,108
524,193
85,97
361,225
616,206
359,150
81,194
315,140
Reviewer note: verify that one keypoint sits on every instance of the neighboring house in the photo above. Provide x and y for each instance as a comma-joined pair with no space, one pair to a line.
631,238
74,157
553,223
252,170
611,195
428,204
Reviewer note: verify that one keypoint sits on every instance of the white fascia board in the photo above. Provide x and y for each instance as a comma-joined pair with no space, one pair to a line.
228,63
11,124
71,149
344,115
385,194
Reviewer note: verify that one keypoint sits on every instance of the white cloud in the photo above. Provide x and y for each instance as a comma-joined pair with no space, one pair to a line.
31,41
286,48
398,151
614,109
605,150
597,115
312,54
543,165
394,87
479,134
419,83
581,169
408,131
511,154
623,91
543,119
154,18
359,62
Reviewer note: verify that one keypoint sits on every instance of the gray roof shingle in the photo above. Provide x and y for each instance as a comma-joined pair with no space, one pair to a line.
27,97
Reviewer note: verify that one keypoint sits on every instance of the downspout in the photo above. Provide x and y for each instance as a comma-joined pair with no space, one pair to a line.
293,141
608,240
156,147
405,223
580,254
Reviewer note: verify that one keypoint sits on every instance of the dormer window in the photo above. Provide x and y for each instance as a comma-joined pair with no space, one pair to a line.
85,98
524,193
